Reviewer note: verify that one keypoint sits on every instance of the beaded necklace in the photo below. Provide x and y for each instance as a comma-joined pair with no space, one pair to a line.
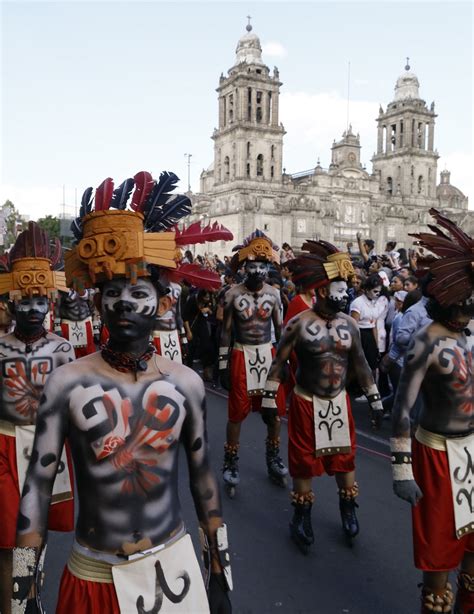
126,363
28,340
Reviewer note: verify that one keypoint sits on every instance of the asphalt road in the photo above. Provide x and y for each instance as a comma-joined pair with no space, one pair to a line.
375,576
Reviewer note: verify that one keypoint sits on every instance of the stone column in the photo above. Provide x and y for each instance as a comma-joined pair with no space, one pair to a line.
221,111
275,108
254,106
380,139
388,143
431,136
397,135
423,136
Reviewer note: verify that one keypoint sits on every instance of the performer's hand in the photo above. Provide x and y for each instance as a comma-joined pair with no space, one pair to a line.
185,351
376,417
408,490
224,378
97,339
218,595
269,414
385,364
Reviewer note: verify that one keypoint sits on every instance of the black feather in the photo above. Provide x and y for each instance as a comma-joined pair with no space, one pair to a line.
86,202
76,228
159,194
169,214
121,194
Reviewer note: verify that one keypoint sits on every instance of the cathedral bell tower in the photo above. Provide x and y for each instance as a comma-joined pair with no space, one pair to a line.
249,140
406,159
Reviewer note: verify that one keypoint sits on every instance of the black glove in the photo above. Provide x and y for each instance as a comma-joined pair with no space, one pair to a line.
269,414
224,378
218,595
408,490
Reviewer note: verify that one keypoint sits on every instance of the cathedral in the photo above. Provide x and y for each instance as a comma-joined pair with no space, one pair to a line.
247,187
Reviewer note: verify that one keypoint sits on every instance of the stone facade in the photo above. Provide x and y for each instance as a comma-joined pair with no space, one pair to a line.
246,187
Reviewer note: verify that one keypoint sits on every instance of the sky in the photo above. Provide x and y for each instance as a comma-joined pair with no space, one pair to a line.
91,90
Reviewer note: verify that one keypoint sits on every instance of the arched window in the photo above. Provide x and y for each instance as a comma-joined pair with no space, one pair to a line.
420,184
248,149
248,169
260,165
272,171
226,168
389,185
272,152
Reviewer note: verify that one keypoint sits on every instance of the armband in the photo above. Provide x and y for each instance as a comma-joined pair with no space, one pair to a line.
223,358
374,399
401,458
269,394
182,336
23,577
221,551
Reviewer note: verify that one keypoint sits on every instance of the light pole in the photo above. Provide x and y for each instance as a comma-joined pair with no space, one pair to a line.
189,156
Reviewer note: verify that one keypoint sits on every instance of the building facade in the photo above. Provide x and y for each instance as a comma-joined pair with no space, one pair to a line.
246,186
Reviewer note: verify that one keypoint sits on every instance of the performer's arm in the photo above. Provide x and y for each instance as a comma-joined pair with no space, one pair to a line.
51,428
413,373
224,345
203,483
276,316
182,331
277,369
365,377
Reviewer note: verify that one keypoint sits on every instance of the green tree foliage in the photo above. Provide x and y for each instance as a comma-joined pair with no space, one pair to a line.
51,224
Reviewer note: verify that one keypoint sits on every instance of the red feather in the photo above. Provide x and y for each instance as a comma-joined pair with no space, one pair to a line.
103,194
144,184
195,234
197,276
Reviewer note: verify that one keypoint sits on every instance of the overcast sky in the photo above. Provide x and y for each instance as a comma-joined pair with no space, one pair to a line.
97,89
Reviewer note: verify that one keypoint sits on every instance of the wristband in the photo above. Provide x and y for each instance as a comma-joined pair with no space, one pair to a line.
223,358
373,398
221,550
269,394
401,458
23,577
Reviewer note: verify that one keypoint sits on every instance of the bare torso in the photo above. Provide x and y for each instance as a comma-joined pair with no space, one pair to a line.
24,374
124,431
252,313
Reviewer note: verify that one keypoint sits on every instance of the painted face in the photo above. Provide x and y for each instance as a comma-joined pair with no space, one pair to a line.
337,295
129,311
256,272
30,313
374,293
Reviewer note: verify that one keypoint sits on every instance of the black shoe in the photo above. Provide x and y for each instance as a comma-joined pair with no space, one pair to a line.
350,524
301,529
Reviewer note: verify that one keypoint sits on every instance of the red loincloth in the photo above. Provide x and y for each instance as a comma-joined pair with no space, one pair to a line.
435,545
301,443
78,596
240,403
61,515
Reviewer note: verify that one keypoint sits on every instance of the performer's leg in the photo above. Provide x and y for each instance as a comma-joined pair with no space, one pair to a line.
301,528
348,491
436,594
5,580
465,596
275,466
230,469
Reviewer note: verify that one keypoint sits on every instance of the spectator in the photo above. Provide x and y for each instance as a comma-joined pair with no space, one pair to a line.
188,257
410,283
365,311
201,327
286,253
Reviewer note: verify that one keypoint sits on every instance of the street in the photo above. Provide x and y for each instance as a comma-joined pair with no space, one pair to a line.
376,576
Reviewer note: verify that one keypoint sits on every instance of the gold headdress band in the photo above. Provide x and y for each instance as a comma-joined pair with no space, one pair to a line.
339,265
31,267
259,248
114,244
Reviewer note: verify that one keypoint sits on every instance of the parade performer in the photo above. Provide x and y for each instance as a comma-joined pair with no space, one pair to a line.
169,335
28,357
75,323
126,409
321,432
435,471
250,308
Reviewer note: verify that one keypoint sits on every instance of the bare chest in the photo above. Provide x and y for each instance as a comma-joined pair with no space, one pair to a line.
250,307
317,339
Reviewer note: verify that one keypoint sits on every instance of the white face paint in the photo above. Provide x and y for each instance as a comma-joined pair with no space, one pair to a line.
338,291
37,303
142,297
374,294
255,267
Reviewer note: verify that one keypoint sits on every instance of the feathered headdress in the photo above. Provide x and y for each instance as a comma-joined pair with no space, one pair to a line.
114,241
30,268
322,263
257,246
453,271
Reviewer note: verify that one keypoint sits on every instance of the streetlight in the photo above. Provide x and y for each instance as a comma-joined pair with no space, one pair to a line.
189,156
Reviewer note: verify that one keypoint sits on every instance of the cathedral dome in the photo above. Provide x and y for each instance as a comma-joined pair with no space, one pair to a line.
447,192
249,49
407,85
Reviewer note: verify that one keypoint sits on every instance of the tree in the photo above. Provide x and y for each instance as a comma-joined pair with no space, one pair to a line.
52,226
